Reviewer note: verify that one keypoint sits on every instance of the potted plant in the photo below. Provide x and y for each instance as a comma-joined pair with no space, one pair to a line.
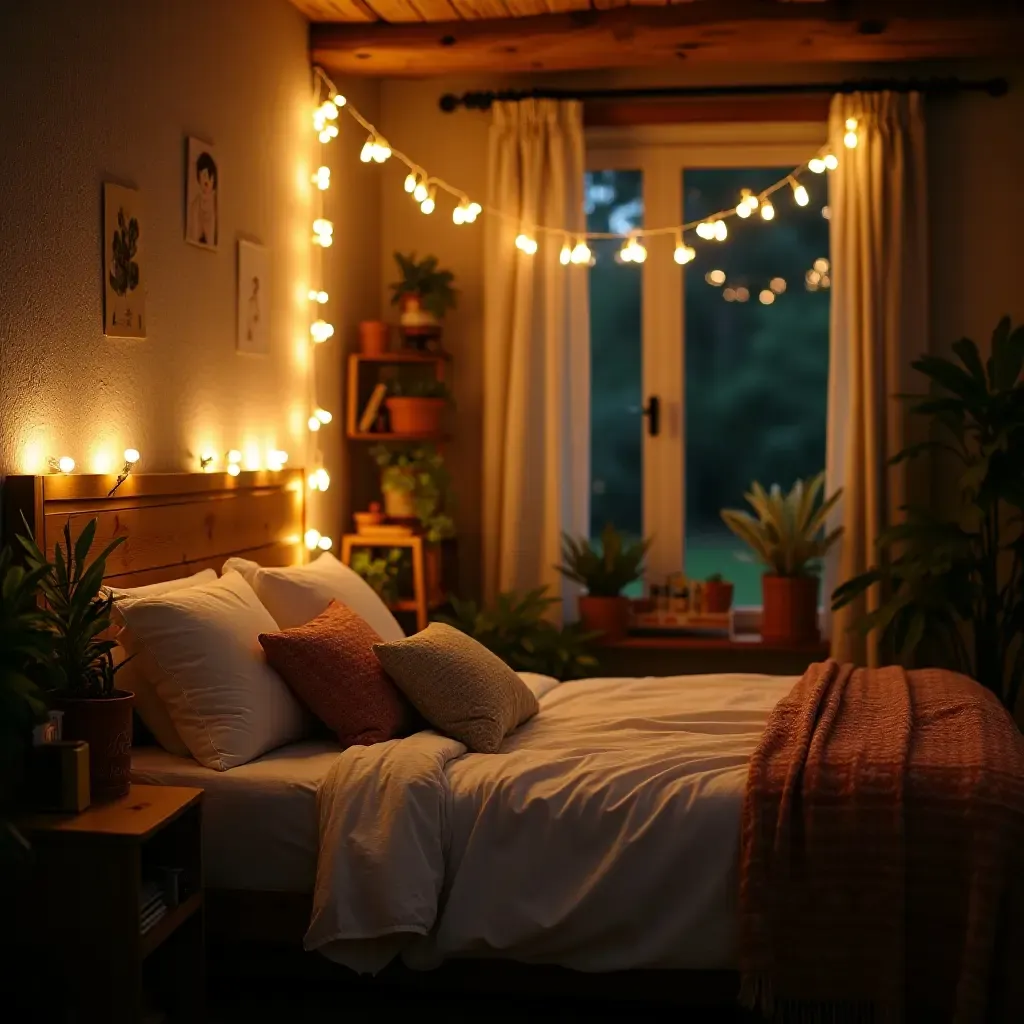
717,594
381,571
788,538
416,406
414,483
605,569
516,630
951,588
81,667
423,294
373,338
25,645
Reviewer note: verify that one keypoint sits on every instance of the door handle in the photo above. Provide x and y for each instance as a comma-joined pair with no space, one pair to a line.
652,410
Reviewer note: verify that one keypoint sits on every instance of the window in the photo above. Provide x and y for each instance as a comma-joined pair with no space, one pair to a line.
734,345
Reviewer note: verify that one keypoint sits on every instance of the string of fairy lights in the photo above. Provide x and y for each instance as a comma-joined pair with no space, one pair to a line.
425,190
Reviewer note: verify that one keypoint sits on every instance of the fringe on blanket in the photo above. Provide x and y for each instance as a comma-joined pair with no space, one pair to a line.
756,995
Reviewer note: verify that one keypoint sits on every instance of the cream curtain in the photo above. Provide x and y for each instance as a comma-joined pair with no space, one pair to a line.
879,324
536,349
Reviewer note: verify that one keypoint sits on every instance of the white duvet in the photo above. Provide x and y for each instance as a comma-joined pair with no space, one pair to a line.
603,836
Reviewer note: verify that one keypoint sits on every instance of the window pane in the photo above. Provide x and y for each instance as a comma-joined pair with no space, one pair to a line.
756,329
614,203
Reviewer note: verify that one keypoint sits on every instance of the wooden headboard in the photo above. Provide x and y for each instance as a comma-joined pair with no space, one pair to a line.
175,523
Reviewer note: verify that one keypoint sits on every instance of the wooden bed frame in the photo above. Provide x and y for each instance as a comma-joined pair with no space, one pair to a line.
180,523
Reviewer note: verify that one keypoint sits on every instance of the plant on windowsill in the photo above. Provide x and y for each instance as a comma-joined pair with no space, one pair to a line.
25,645
80,669
952,589
414,483
515,629
417,406
423,295
717,594
788,538
605,569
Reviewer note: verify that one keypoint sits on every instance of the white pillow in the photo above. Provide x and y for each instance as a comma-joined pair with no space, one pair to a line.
299,593
149,706
201,649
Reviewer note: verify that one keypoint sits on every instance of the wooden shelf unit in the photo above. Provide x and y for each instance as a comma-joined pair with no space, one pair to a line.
359,389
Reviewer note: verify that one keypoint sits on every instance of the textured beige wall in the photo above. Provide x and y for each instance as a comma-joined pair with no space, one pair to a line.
109,91
976,152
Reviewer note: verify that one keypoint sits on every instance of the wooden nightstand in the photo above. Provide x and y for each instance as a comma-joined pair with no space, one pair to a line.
86,902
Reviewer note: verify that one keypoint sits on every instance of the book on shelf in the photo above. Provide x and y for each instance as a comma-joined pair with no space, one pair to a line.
369,416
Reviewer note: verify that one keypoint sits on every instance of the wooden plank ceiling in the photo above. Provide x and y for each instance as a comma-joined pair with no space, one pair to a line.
433,37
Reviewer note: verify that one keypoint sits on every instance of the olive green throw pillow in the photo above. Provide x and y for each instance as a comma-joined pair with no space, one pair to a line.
458,686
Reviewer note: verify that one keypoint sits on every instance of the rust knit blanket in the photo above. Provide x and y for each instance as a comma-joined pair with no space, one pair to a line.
882,852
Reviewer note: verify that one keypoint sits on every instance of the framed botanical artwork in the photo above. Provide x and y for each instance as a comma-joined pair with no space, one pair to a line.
202,195
124,236
253,298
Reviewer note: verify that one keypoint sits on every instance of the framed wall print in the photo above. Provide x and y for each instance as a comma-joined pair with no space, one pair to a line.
202,195
124,236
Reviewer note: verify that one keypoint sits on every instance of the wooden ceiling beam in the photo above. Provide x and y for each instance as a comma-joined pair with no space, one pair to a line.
736,31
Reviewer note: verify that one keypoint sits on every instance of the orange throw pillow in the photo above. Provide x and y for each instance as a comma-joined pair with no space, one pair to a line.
329,664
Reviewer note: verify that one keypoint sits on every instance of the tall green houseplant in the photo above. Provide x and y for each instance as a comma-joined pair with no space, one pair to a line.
952,588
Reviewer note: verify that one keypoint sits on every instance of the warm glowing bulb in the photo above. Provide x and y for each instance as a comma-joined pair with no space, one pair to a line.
339,100
322,226
325,241
380,151
634,252
742,210
526,244
321,330
850,140
319,480
684,254
721,231
234,469
313,423
565,255
323,415
131,456
816,165
475,209
312,538
428,205
322,178
459,215
777,285
831,161
234,456
767,210
705,229
800,195
66,464
366,153
851,124
317,296
715,277
325,543
420,192
330,111
276,459
767,297
729,294
742,294
410,182
580,253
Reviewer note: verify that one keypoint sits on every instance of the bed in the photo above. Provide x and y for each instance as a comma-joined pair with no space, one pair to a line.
643,827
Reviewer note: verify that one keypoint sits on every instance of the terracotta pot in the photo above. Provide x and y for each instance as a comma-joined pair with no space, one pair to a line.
398,504
105,723
717,596
607,615
373,338
418,325
790,609
415,415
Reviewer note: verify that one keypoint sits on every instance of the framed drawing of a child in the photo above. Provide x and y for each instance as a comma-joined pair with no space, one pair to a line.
201,195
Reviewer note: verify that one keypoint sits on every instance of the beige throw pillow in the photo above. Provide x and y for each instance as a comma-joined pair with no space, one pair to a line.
458,686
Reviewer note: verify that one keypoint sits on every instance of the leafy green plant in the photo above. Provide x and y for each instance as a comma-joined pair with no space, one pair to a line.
81,662
605,569
952,590
124,271
419,470
788,536
715,577
517,632
25,646
419,387
423,279
382,572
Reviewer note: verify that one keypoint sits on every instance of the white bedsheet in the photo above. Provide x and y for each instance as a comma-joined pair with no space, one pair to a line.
603,836
260,827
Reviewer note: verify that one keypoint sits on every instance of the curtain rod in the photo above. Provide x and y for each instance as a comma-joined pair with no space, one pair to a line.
482,100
